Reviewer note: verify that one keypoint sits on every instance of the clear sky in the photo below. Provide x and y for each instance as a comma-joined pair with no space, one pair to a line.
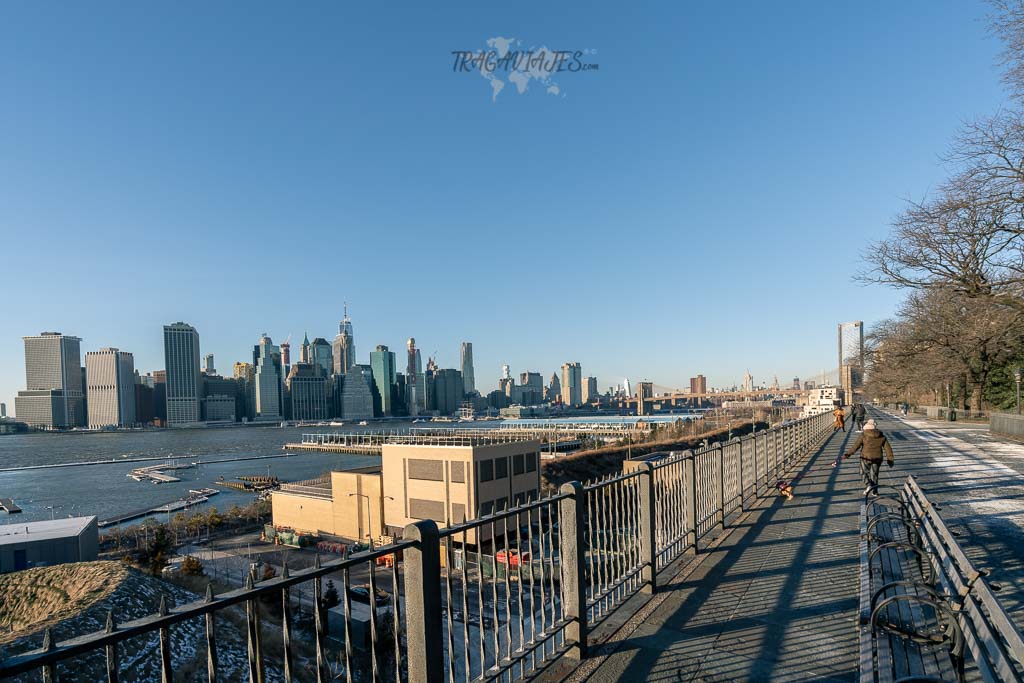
696,204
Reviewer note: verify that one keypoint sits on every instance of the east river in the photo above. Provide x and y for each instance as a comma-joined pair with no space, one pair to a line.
106,491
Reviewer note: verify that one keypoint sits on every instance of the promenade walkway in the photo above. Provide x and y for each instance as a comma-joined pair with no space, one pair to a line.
775,597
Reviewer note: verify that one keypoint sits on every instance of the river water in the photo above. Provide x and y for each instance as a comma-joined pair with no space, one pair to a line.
104,489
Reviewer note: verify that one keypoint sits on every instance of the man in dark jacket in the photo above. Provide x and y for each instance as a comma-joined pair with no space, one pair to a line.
872,444
859,414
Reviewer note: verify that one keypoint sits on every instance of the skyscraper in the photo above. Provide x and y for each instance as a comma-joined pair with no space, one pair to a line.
851,357
572,378
382,364
184,384
321,356
357,393
589,389
344,346
304,349
466,365
245,375
554,393
111,388
449,391
208,368
53,395
308,389
699,384
412,375
748,381
269,372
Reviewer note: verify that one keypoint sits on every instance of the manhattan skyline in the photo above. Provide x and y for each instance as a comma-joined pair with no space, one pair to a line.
752,172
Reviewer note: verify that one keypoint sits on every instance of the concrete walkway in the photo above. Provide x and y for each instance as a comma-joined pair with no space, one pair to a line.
775,598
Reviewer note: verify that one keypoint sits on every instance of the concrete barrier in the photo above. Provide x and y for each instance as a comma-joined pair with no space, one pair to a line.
1008,424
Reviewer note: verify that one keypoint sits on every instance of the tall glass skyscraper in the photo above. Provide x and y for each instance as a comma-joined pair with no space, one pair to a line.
344,346
382,364
466,366
184,384
269,398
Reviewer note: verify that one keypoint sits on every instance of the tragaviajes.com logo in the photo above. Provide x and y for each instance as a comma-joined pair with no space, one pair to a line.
505,61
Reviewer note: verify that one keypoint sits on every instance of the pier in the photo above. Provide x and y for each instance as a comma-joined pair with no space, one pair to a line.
9,506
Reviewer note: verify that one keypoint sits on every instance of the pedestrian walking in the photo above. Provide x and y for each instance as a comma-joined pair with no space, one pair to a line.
872,445
859,414
840,422
905,408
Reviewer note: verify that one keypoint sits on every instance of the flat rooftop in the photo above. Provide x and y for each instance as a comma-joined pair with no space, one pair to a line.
43,531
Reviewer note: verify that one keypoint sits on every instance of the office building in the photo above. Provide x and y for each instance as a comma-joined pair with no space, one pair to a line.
466,366
47,543
532,381
53,395
307,387
414,387
344,346
184,385
357,393
572,379
208,366
449,391
245,377
589,393
748,381
699,385
110,380
644,392
321,356
269,380
145,409
446,479
554,391
382,364
3,410
220,398
304,354
160,397
851,357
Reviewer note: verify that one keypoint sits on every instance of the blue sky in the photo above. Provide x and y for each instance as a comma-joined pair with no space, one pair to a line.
697,204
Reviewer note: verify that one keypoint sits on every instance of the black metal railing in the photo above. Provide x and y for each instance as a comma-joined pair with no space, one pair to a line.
496,597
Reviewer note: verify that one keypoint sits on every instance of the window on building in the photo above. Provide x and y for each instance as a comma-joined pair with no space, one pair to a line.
428,470
458,469
501,504
486,469
458,513
501,468
427,509
518,464
531,462
486,508
519,499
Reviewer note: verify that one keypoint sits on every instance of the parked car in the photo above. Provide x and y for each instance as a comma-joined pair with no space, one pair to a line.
362,594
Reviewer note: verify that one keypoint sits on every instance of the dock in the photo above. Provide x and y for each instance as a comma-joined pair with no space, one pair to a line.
9,506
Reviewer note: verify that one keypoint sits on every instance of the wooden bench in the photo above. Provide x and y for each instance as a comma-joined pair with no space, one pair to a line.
926,614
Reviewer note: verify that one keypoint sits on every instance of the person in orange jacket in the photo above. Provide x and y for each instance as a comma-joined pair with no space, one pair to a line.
840,422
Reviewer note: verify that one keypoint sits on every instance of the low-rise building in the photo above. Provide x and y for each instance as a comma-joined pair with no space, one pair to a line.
447,479
46,543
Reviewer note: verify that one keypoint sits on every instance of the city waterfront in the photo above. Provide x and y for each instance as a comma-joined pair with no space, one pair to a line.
40,472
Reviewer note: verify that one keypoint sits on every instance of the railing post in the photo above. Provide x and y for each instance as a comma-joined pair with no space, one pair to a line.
690,484
720,489
648,523
572,517
425,649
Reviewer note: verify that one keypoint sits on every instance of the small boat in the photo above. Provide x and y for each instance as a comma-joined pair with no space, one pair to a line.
363,423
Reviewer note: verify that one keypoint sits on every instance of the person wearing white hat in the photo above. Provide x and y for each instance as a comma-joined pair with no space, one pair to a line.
872,444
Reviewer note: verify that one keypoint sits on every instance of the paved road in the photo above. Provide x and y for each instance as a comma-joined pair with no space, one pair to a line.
776,598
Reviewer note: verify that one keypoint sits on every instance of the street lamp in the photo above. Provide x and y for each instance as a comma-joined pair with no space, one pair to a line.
1016,378
369,533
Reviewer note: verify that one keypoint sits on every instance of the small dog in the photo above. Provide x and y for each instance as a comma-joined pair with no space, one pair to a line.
785,488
